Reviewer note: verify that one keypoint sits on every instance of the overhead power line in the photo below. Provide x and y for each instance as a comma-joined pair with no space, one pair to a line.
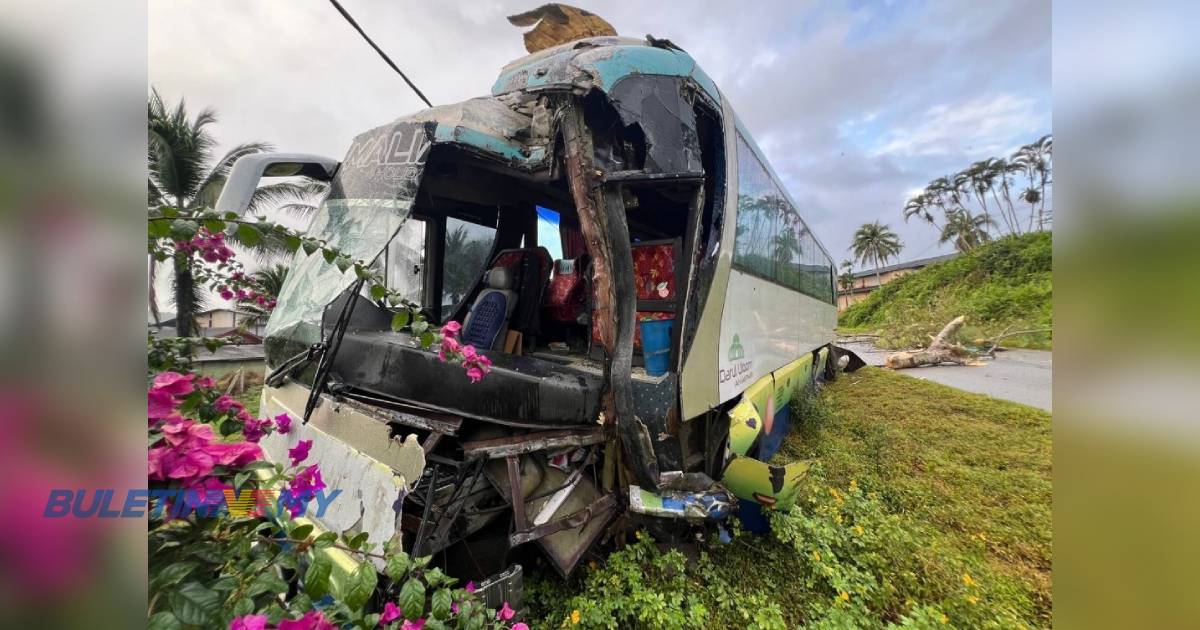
387,59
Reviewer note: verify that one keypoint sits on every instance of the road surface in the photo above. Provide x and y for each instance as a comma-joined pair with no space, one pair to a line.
1022,376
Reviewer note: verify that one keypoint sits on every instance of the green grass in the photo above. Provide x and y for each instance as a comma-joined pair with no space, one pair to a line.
926,504
1004,285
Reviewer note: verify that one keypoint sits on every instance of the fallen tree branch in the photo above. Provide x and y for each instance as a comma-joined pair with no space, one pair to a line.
991,352
940,350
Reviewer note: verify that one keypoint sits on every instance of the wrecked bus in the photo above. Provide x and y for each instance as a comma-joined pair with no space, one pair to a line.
623,158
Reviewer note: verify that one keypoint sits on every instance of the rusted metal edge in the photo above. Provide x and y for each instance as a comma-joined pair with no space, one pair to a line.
597,508
448,426
524,443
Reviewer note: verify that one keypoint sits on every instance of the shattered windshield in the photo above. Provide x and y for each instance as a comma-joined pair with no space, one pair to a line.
370,199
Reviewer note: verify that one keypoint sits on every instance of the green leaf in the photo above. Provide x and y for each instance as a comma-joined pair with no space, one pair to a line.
183,230
261,464
362,585
420,326
194,604
291,242
426,339
358,540
399,321
249,235
316,579
214,226
164,621
325,540
434,624
309,246
440,608
397,566
168,211
343,263
173,573
412,598
243,606
240,479
378,291
224,585
267,582
330,255
158,228
301,532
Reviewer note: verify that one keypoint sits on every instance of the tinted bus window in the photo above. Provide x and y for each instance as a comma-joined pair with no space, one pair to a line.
772,241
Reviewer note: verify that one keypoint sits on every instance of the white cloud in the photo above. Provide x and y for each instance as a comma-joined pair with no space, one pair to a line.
983,125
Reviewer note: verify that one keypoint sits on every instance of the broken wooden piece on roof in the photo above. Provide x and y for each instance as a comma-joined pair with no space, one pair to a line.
555,24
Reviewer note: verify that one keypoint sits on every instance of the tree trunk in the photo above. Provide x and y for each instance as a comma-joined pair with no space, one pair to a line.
941,350
185,307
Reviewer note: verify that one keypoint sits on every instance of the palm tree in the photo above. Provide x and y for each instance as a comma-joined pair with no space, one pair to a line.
876,243
965,230
1034,158
920,206
182,175
979,178
846,279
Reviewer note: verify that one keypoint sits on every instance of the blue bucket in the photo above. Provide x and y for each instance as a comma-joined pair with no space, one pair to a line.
656,345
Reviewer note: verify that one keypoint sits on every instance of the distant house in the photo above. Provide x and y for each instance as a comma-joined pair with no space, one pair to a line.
865,281
219,322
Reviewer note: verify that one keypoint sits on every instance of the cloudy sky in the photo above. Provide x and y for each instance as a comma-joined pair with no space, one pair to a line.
856,104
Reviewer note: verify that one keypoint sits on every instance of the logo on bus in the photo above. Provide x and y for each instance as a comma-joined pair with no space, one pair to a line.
740,370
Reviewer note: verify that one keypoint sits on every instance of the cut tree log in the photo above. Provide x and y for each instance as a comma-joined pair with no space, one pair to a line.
940,350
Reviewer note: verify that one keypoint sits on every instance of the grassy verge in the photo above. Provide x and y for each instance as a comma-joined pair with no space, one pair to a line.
1003,286
928,507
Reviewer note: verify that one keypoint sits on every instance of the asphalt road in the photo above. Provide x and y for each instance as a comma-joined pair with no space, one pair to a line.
1022,376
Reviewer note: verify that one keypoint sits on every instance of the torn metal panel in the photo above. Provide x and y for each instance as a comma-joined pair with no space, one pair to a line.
357,455
658,107
529,442
599,62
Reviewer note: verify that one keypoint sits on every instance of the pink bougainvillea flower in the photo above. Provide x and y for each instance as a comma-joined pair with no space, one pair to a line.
312,620
469,353
470,587
249,622
454,607
519,626
505,613
254,429
299,452
451,329
391,612
187,466
226,294
206,382
475,374
186,434
174,383
412,625
205,493
302,489
160,404
283,423
225,404
235,454
154,469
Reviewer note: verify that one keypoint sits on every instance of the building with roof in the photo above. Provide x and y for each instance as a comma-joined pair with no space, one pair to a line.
868,280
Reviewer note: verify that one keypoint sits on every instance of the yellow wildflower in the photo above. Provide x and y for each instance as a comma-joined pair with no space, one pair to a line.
853,485
639,534
973,599
844,596
816,555
575,617
858,530
967,580
838,518
592,565
945,619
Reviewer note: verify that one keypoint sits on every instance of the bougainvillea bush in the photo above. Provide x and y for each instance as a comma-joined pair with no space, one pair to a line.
259,566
